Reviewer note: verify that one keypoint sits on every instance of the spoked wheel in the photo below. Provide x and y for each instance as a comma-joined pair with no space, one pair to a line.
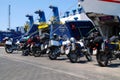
102,59
73,57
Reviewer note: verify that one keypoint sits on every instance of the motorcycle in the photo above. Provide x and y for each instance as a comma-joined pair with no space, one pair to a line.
25,48
76,50
10,46
53,49
36,49
39,49
41,46
111,51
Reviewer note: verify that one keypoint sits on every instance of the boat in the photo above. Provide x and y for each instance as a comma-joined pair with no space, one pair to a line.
77,25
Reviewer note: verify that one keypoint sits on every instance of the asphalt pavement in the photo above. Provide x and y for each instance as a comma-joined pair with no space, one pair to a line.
17,67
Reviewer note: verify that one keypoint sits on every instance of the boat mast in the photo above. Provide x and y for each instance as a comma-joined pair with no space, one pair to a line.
9,18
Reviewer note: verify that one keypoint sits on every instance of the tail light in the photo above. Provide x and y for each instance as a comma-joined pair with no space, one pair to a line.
96,44
106,47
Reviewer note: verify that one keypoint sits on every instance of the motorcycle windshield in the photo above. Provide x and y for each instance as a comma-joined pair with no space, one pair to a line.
80,29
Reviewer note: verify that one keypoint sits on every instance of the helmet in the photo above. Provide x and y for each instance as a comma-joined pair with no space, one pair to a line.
54,35
60,37
119,33
72,39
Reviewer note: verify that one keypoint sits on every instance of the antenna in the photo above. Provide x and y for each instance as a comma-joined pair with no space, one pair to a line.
9,13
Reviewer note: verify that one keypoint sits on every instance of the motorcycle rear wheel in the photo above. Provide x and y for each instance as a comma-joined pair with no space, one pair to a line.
25,52
73,57
102,59
8,50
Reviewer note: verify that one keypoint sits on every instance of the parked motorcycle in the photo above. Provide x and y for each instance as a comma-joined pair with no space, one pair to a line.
54,49
39,49
10,46
36,49
76,50
41,46
25,47
110,52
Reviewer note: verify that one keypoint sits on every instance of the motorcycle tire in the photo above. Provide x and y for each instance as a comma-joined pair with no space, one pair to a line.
25,53
52,55
8,50
102,59
73,57
35,52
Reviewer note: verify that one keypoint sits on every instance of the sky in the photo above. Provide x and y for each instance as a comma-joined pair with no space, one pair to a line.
19,8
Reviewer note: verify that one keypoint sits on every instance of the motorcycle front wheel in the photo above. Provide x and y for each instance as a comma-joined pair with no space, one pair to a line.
25,52
52,55
73,57
36,53
102,59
